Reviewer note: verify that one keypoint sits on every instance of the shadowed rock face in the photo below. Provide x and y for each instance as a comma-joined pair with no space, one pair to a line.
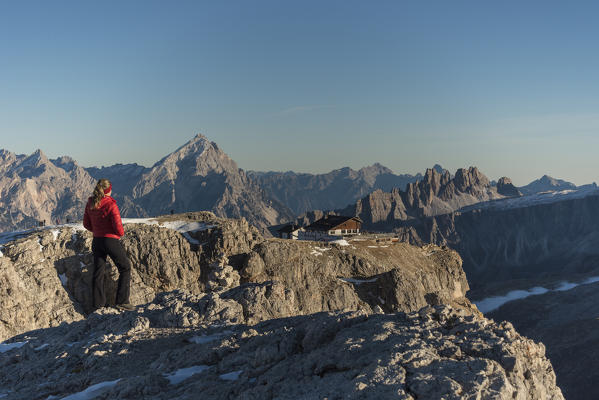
567,324
518,248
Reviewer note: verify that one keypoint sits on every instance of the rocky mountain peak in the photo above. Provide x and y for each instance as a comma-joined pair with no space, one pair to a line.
8,159
468,179
36,159
432,182
200,176
506,187
548,179
199,156
435,194
6,155
546,183
65,162
374,169
439,168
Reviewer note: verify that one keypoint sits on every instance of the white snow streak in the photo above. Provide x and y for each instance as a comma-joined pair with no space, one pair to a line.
183,226
181,374
493,303
231,376
4,347
63,279
533,199
92,391
318,251
43,346
179,226
55,233
358,281
6,237
206,338
341,242
190,239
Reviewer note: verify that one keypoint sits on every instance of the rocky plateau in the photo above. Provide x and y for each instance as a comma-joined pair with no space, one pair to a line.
225,313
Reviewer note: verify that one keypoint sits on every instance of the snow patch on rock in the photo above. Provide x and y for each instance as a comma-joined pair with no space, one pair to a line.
358,281
341,242
206,338
63,279
492,303
184,226
4,347
93,391
231,376
181,374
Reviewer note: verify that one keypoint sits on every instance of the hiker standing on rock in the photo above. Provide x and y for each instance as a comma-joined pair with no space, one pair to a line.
103,218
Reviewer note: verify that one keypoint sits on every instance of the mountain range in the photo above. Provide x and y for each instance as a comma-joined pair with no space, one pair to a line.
200,176
438,192
196,176
305,192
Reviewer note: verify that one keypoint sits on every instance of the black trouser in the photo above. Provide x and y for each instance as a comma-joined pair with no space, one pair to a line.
101,247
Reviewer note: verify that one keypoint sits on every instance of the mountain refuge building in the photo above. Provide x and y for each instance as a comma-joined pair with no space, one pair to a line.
331,227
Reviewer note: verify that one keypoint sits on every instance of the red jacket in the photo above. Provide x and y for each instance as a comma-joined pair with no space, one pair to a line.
104,221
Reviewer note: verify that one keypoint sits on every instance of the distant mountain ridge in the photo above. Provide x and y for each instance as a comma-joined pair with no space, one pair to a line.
545,184
435,194
197,176
34,188
303,192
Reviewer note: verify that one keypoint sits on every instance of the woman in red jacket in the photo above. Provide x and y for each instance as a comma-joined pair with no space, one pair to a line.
103,218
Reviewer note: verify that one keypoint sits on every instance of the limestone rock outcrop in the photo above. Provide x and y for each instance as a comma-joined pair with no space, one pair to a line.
47,273
177,347
224,312
362,276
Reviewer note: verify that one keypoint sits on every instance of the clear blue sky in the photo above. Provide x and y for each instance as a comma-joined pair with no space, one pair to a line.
511,86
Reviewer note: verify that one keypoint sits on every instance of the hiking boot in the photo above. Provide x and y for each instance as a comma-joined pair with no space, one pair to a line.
125,307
